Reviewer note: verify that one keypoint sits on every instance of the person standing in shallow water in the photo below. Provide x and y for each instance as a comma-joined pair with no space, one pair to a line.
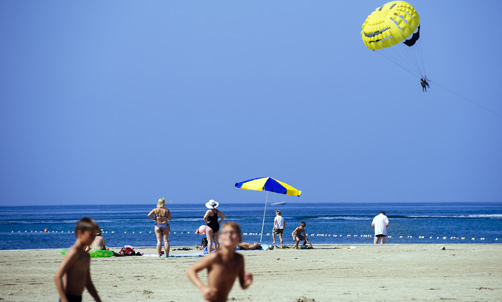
161,215
380,223
211,220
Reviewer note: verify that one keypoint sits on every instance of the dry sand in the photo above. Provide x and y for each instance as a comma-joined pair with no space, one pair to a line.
408,272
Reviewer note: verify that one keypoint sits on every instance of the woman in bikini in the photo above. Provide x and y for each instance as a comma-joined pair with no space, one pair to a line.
161,215
211,219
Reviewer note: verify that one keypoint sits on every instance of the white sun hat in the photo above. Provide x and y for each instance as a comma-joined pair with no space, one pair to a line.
212,204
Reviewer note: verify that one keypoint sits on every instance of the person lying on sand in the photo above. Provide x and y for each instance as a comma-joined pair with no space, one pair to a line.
249,246
223,267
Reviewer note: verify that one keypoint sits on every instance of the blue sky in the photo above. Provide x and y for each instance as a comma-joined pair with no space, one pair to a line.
129,101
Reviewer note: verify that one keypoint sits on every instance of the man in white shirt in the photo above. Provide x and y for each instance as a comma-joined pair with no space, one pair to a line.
279,225
380,223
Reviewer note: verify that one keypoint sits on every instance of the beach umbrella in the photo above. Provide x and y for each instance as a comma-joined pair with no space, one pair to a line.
267,184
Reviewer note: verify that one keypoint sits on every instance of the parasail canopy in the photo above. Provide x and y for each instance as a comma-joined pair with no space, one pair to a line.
390,24
393,30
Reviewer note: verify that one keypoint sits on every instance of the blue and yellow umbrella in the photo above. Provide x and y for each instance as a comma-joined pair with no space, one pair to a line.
270,185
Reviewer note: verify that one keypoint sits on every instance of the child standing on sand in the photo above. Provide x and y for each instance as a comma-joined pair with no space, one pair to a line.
297,234
279,225
76,265
222,267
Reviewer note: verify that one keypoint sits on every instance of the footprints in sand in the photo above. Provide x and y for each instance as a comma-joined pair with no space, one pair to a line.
301,299
304,299
145,292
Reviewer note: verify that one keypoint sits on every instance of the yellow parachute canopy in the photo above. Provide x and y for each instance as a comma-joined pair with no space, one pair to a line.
389,25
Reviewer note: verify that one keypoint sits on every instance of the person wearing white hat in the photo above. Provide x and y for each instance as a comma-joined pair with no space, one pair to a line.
211,220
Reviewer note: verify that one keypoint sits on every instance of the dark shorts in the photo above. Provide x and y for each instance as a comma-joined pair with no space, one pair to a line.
72,298
379,236
278,231
300,237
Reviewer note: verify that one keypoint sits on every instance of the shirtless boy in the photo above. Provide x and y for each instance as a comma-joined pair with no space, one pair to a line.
297,234
222,267
76,265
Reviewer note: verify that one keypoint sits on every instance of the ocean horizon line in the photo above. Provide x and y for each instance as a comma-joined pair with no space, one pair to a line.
253,203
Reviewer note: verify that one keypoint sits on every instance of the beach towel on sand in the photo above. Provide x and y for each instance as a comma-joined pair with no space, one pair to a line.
204,252
264,247
194,254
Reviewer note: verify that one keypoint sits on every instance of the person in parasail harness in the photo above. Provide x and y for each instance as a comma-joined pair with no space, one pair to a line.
424,83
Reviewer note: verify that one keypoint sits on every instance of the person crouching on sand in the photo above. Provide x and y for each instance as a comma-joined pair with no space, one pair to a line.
297,234
76,265
222,267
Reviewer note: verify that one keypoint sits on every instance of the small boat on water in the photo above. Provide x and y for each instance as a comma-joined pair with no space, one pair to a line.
277,203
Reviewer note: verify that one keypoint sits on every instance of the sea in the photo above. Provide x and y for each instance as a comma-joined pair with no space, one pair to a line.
23,227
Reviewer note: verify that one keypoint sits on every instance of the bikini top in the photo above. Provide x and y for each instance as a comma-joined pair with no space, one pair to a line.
160,216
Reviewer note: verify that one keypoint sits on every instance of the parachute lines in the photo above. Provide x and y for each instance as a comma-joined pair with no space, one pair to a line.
469,100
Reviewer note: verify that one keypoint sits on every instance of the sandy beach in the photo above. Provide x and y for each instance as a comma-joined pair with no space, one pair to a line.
326,273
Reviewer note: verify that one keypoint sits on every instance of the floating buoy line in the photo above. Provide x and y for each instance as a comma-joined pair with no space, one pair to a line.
310,235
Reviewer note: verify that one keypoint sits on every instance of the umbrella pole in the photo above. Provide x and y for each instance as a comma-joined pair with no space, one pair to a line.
263,223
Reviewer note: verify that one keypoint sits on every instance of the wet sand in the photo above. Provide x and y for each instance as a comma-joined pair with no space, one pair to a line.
408,272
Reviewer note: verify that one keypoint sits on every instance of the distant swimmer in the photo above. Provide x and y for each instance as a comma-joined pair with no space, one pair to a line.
424,83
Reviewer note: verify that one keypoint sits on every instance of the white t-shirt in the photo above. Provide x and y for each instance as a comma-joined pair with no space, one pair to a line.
380,221
279,222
